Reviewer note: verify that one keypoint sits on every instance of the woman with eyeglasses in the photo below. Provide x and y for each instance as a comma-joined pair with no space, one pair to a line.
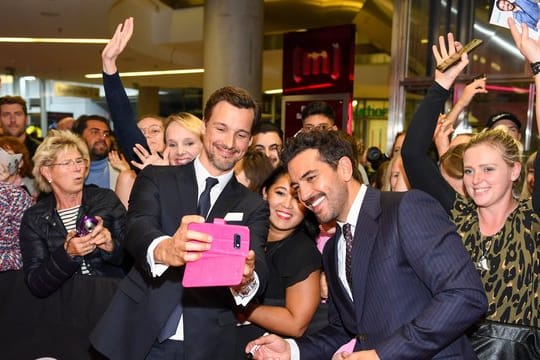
56,243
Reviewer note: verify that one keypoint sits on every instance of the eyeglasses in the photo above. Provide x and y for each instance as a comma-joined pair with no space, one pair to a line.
151,131
70,164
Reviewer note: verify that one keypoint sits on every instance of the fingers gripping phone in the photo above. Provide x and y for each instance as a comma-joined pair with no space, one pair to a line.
223,263
453,59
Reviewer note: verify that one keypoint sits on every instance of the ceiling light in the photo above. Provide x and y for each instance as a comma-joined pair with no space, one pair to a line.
274,91
150,73
52,40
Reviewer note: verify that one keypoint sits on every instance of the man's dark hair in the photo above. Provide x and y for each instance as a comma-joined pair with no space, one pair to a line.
82,120
238,98
267,126
332,146
10,100
318,108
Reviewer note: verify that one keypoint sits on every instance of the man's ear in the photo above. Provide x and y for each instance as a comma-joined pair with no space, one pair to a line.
345,168
203,128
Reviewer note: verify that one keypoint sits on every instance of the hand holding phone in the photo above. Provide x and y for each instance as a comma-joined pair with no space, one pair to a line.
453,59
223,264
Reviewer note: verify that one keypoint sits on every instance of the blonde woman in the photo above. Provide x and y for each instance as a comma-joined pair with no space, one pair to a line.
183,142
52,248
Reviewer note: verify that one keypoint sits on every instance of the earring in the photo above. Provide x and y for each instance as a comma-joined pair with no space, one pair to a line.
50,181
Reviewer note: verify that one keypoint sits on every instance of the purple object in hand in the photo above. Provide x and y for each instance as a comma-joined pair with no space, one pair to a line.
86,225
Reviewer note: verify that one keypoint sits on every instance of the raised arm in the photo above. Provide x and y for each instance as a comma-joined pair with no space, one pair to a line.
122,115
422,172
531,50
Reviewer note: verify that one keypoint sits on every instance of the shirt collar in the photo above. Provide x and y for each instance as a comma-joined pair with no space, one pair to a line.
354,211
201,174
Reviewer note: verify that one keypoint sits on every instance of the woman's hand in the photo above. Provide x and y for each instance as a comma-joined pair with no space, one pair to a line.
118,161
149,158
78,245
441,136
116,45
101,237
447,78
528,47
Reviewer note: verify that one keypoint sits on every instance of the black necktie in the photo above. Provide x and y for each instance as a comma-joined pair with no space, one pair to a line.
204,200
169,329
347,234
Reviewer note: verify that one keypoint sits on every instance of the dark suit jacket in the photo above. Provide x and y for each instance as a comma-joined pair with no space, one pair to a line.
139,310
415,289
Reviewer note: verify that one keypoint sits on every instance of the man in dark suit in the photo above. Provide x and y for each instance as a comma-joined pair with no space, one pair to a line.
137,324
411,291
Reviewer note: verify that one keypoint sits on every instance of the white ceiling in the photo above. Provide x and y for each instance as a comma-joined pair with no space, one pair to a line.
149,49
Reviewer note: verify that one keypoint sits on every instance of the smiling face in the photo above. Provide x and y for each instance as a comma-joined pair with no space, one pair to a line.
226,137
286,212
488,179
152,130
67,173
321,188
183,145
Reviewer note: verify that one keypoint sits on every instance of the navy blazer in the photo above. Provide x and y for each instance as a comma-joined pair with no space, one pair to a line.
161,196
415,289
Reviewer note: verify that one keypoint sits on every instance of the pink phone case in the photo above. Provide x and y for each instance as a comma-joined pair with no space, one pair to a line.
223,264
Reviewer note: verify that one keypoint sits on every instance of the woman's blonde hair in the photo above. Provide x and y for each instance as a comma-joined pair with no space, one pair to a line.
47,153
508,147
188,121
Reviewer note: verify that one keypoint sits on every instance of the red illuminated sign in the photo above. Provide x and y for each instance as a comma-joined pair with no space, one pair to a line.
319,61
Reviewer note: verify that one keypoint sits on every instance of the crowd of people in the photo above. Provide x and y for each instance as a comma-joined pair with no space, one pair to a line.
353,254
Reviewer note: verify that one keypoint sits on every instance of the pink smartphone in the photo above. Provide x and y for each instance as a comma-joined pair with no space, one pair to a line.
223,263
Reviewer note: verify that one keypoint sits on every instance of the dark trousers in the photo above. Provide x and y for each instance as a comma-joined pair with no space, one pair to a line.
167,350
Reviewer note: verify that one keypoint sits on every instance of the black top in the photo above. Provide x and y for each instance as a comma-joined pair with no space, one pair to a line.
290,261
46,264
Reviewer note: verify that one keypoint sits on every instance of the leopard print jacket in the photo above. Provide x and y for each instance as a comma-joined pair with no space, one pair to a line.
508,262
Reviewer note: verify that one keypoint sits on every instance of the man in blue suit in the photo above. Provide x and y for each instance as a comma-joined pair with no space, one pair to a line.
411,291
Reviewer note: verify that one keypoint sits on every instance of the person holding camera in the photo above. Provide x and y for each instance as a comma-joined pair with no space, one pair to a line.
53,245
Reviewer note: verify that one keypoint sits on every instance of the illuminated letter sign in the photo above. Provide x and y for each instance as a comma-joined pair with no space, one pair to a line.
319,61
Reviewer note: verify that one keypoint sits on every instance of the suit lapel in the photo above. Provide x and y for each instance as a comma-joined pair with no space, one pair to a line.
226,201
186,184
365,236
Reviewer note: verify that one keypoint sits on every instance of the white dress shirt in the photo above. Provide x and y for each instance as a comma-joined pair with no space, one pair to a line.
158,269
352,217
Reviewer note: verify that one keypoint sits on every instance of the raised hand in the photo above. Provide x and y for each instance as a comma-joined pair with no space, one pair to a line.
118,161
441,137
149,158
444,51
116,45
528,47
